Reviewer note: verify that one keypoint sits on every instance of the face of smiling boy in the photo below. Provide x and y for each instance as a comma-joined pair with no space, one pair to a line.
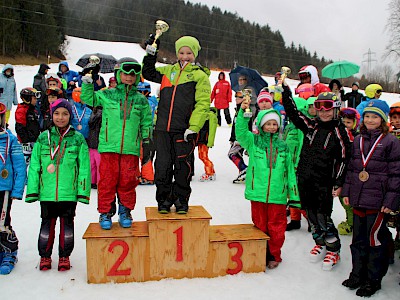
185,54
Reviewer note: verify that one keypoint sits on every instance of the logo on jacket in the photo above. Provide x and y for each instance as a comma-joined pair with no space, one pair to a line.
189,76
173,76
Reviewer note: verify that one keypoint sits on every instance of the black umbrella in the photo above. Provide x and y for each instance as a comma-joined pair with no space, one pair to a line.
254,79
107,62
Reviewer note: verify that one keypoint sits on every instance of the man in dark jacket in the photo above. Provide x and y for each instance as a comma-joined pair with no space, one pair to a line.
353,98
39,83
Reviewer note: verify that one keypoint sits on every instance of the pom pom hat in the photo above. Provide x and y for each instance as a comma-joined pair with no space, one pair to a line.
377,107
267,115
264,97
188,41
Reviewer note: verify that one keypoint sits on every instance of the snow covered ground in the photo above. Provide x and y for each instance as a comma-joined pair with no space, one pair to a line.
295,278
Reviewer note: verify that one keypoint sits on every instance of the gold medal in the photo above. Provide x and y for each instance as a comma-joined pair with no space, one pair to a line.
363,176
51,168
79,127
4,174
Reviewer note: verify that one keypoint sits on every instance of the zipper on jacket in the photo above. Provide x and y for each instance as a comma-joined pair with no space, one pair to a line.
106,130
124,124
58,165
270,168
173,98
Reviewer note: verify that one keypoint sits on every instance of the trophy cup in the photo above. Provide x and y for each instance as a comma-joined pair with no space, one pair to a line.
161,27
90,67
285,71
247,97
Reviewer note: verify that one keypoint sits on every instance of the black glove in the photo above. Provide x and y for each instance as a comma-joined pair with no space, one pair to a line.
90,68
147,151
150,41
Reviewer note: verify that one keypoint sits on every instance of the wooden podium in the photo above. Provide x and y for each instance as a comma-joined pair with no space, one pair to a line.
173,246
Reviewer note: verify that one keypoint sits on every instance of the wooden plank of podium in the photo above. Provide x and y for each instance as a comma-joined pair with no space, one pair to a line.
179,243
117,255
236,248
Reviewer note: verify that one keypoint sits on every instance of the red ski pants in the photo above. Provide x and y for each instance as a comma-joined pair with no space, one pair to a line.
117,176
203,155
271,219
295,214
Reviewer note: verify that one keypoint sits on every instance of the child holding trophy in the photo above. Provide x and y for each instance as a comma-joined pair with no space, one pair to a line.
182,111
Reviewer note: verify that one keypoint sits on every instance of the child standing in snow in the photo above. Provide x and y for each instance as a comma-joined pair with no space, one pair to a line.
271,178
59,176
372,189
320,172
12,183
182,111
126,123
350,119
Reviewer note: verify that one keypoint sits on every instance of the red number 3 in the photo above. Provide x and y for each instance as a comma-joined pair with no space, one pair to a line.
236,258
114,269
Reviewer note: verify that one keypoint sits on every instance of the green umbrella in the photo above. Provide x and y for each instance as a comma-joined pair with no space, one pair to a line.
340,69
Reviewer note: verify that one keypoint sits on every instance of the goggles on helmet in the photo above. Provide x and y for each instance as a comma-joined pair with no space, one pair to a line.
54,92
131,67
304,75
349,113
304,90
326,104
378,92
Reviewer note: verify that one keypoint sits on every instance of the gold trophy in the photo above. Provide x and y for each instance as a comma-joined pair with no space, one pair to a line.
161,27
285,71
247,98
93,61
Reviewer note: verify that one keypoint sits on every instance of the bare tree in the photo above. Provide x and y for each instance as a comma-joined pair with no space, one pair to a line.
393,28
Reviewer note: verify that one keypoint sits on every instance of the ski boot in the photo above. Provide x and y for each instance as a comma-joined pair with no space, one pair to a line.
181,207
344,228
205,178
331,259
293,225
369,288
8,262
317,253
125,218
352,283
105,221
45,263
64,264
241,177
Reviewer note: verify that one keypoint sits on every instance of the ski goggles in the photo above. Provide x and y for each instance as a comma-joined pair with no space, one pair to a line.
326,104
54,92
304,90
378,92
348,112
3,108
131,67
304,75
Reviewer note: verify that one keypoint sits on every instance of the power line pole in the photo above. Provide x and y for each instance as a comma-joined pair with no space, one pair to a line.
369,60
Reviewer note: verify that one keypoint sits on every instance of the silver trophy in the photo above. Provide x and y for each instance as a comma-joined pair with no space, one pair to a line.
161,27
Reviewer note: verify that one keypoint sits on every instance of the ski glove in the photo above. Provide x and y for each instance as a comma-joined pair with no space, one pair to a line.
147,151
189,135
150,41
87,79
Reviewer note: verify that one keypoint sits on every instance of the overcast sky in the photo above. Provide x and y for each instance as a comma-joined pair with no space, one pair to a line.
336,29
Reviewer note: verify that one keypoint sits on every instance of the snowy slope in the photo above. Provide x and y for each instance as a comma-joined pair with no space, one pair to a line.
295,278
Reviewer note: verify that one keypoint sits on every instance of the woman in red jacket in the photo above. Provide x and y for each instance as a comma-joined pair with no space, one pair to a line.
222,94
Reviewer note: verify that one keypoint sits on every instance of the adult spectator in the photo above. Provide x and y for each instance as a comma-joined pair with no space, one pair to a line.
222,95
8,90
70,76
354,97
39,83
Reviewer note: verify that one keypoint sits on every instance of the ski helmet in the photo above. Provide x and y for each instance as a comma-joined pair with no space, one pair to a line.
76,94
328,101
127,65
373,89
394,109
350,113
55,92
27,93
305,90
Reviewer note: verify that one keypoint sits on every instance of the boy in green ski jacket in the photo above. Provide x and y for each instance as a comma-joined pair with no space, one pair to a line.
182,111
59,177
270,179
126,122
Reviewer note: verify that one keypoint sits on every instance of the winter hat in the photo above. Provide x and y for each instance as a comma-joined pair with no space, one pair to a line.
188,41
356,83
112,79
335,81
264,96
269,114
61,103
377,107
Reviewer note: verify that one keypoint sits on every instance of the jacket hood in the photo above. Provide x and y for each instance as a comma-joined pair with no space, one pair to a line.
61,64
43,68
271,113
8,66
314,74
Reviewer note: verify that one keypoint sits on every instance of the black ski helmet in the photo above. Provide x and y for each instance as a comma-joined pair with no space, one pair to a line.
335,104
27,93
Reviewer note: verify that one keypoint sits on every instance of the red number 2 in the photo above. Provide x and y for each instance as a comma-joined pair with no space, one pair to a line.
236,258
114,269
179,243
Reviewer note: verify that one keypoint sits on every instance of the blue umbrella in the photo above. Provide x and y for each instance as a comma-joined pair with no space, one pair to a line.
254,78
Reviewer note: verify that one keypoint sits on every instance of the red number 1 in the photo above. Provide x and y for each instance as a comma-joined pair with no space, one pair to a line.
114,269
236,258
179,243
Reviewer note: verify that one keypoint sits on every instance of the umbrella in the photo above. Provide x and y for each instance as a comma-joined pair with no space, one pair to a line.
254,78
107,62
340,69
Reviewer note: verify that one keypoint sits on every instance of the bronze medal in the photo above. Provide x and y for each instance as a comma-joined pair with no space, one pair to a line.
4,174
79,127
363,176
51,168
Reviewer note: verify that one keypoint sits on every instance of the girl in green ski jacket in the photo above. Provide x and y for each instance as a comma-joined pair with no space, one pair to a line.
59,177
270,178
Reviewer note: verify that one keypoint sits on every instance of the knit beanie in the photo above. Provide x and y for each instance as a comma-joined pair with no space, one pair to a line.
264,96
61,103
270,114
188,41
377,107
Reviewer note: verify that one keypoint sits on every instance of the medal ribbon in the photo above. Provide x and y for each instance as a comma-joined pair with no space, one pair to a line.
4,158
366,160
79,117
53,153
